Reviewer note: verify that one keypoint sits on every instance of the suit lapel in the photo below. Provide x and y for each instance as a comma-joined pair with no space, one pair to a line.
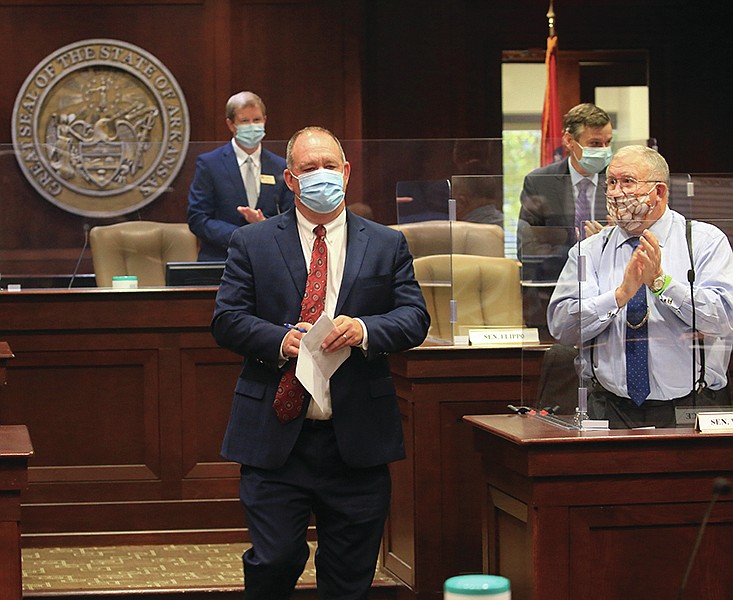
288,242
356,245
229,159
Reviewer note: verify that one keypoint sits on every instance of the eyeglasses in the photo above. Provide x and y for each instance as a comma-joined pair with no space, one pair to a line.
628,185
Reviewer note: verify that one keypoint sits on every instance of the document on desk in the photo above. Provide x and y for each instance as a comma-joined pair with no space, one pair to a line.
315,367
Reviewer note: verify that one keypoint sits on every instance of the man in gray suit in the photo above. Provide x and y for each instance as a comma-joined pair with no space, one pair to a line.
552,216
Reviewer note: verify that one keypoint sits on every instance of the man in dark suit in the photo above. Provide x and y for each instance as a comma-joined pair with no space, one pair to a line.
237,183
329,455
554,213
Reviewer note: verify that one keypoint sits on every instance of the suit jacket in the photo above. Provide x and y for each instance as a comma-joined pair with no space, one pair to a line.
216,191
262,288
546,227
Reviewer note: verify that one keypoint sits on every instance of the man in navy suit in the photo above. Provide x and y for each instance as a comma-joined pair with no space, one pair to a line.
237,183
547,218
331,458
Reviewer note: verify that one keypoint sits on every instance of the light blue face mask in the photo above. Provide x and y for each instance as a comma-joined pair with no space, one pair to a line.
594,160
322,191
250,134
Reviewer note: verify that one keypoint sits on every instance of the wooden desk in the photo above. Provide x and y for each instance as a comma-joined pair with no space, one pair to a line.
15,449
126,396
434,529
607,515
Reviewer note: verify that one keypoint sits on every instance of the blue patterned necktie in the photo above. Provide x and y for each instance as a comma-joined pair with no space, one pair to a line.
637,344
582,207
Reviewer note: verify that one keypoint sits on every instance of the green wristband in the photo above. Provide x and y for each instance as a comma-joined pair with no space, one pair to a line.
667,281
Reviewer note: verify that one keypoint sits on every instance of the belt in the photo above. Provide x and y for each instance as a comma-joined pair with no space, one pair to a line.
317,423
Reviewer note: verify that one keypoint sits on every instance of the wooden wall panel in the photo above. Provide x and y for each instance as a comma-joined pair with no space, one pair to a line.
302,58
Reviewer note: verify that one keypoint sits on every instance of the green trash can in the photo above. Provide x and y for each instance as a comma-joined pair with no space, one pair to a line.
473,587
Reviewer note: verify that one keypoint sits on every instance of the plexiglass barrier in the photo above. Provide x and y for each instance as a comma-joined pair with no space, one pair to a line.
65,189
455,231
489,245
665,354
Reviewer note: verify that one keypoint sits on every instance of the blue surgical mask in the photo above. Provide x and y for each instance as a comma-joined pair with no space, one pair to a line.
250,134
322,191
594,160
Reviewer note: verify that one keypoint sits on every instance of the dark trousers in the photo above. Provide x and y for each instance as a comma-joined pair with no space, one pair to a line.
623,413
350,507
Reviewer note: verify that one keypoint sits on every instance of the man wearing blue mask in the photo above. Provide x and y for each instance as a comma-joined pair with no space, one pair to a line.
239,182
565,197
326,452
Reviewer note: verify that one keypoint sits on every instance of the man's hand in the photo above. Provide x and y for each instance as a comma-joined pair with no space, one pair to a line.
347,332
651,257
291,341
593,227
632,279
645,266
251,215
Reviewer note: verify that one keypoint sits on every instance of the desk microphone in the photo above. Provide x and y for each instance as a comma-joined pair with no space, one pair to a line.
721,487
81,255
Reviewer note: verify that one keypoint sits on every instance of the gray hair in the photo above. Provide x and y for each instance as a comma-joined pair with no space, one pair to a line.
658,167
311,129
241,100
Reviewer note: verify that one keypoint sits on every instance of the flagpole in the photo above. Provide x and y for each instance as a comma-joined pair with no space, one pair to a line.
551,121
551,20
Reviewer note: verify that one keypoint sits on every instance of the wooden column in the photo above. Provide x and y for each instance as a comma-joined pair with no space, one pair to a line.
5,354
15,450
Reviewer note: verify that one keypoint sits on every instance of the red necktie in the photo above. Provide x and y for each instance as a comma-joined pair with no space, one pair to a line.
291,393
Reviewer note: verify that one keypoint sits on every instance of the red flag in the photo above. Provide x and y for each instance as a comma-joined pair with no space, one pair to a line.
551,121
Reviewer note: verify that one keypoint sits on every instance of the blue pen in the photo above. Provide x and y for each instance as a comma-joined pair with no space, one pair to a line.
291,326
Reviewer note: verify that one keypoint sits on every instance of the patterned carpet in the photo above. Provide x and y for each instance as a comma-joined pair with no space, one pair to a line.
171,567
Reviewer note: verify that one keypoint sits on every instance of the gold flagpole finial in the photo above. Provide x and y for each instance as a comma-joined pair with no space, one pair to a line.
551,20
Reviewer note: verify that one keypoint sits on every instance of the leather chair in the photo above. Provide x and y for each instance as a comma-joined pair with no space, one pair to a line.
457,237
486,288
140,248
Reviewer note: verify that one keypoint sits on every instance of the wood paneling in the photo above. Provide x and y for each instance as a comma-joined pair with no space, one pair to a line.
126,396
213,48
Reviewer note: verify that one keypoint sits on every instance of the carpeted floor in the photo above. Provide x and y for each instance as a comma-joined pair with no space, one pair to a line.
171,567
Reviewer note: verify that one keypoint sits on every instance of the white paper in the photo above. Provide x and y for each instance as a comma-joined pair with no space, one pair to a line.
315,367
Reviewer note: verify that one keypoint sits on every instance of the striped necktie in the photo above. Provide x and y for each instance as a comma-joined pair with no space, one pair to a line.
582,207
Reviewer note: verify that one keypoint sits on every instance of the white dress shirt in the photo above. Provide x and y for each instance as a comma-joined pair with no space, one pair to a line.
336,245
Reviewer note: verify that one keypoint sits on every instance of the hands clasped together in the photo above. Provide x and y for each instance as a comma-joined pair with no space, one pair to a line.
643,268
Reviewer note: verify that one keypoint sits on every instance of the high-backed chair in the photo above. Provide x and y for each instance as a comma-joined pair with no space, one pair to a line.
458,237
486,288
140,248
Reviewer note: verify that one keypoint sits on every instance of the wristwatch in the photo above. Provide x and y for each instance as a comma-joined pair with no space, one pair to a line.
658,284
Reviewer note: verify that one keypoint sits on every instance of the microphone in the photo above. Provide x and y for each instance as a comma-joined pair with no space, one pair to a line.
721,487
81,255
